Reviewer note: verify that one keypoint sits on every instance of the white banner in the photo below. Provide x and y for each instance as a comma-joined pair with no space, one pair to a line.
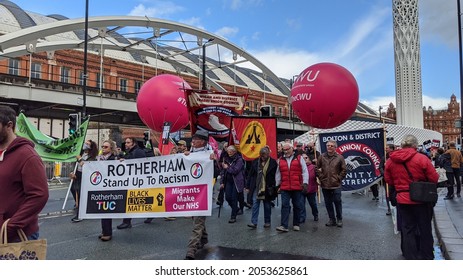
164,186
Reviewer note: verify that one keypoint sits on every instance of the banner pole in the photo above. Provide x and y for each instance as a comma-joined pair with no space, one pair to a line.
315,157
69,188
75,167
384,147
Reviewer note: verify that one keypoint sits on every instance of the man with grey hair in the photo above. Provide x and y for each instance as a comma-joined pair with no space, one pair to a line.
403,167
261,185
331,169
292,176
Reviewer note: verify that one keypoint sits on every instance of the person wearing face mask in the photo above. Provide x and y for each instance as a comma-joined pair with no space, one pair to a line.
90,152
132,150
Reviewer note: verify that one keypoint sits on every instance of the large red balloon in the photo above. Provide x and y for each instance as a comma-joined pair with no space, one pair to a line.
162,99
325,95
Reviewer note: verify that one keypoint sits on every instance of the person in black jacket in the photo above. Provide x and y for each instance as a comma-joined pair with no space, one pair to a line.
108,152
132,150
261,184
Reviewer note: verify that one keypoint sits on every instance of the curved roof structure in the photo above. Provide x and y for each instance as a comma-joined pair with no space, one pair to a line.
162,44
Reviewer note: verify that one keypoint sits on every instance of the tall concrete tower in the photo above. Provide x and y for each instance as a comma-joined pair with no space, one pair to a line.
409,101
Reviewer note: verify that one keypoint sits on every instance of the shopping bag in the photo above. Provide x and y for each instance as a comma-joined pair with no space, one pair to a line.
24,250
442,175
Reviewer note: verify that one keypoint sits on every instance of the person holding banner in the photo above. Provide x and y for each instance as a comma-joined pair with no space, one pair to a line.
261,185
108,152
382,164
24,187
331,169
199,238
293,178
132,150
90,152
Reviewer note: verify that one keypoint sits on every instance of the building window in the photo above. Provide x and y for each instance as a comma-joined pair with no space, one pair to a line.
13,67
36,70
65,74
98,79
123,85
255,107
280,111
137,86
81,78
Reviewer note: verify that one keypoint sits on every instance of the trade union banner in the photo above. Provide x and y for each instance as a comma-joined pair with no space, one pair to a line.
212,111
250,135
52,149
362,150
164,186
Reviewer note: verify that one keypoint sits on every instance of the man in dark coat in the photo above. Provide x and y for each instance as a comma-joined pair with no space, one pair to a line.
132,151
261,185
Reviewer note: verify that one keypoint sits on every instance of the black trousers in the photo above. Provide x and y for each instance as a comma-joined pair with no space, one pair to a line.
417,241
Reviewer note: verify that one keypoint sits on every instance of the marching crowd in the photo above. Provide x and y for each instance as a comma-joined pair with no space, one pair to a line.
297,175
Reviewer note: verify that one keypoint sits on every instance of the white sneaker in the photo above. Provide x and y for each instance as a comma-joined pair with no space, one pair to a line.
282,229
296,228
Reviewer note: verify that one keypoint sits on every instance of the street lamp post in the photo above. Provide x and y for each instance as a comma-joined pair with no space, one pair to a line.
461,68
204,85
84,82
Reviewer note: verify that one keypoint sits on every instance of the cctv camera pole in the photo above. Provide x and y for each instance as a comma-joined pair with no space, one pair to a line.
84,82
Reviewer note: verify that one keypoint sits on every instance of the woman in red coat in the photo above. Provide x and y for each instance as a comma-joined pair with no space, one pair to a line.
417,239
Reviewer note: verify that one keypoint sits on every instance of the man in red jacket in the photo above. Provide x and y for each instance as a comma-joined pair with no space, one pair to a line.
23,188
416,228
292,177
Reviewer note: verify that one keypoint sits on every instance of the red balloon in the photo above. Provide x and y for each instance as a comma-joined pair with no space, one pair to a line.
325,95
162,99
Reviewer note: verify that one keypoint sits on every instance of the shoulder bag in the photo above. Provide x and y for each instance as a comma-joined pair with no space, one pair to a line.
24,250
425,192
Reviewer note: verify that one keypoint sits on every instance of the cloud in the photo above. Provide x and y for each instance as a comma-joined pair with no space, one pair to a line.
363,29
439,22
285,63
238,4
158,9
293,23
227,32
440,103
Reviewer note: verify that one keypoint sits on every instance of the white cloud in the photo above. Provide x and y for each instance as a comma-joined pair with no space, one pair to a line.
227,32
363,29
286,63
384,101
439,22
158,9
238,4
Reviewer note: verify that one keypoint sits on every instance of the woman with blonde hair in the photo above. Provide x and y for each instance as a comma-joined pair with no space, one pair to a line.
108,152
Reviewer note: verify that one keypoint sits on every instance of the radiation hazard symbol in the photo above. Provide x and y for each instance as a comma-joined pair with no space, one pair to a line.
253,139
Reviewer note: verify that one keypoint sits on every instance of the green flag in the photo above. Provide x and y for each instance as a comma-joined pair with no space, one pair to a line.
51,149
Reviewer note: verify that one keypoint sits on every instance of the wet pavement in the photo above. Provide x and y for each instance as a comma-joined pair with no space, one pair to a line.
448,221
367,234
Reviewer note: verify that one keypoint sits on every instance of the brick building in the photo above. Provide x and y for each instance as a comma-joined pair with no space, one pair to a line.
442,121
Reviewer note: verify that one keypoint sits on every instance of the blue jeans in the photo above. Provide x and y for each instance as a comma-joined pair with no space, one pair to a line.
312,199
333,200
33,236
256,206
296,199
